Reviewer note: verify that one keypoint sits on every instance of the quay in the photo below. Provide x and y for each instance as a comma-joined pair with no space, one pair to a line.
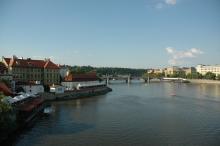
203,81
75,94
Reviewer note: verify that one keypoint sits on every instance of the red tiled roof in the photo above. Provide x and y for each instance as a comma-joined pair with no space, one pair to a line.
7,60
50,65
31,63
27,63
82,77
3,88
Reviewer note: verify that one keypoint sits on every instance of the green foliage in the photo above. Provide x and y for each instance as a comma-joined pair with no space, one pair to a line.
81,69
7,118
153,75
7,82
107,70
218,77
194,76
4,108
178,75
210,76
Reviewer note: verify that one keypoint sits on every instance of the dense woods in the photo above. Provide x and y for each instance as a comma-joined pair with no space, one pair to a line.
108,70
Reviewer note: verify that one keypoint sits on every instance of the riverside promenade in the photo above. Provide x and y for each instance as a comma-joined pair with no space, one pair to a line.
202,81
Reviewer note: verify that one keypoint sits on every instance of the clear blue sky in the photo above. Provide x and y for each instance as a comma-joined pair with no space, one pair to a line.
119,33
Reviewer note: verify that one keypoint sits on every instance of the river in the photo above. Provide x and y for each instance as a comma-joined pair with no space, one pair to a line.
159,114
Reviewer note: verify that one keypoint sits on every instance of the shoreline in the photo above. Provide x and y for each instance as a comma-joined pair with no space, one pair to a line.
76,94
49,97
203,81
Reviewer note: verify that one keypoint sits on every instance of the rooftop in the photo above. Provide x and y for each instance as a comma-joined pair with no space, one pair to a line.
15,62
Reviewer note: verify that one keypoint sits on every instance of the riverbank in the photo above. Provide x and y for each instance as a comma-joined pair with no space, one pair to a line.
68,95
202,81
75,94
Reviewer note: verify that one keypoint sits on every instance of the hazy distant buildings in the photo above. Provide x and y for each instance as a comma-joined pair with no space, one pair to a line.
189,70
172,70
203,69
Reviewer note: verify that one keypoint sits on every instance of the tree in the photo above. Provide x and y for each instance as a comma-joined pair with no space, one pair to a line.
7,82
218,77
189,76
3,106
210,76
197,76
178,75
7,118
108,70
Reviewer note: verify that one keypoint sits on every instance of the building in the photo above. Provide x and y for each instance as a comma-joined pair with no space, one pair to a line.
172,70
29,70
3,68
77,81
57,89
189,70
33,88
203,69
64,71
156,71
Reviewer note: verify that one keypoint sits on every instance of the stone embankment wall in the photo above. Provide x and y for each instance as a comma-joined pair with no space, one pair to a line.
76,94
201,81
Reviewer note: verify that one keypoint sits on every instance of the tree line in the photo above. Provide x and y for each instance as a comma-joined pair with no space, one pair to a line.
107,70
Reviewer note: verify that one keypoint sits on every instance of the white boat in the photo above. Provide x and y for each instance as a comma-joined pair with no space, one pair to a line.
48,110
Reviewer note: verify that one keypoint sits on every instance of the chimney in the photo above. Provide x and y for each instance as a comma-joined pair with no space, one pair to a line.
14,57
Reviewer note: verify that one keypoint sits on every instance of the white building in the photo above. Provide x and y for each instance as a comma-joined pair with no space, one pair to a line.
78,81
33,89
203,69
57,89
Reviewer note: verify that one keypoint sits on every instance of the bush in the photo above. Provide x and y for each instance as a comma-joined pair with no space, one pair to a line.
7,118
210,76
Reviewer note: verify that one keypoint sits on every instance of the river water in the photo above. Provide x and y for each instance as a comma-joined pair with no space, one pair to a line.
160,114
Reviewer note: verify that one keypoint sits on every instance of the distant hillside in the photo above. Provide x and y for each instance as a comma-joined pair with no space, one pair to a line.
108,70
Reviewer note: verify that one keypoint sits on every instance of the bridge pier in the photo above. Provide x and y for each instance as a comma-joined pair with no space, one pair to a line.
128,80
107,80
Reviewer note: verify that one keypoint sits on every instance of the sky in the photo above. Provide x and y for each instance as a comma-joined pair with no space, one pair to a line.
112,33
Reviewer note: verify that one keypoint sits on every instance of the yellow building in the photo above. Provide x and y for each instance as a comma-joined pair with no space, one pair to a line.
28,70
189,70
172,70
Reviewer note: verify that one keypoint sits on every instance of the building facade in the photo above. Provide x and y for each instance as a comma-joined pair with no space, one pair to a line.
172,70
177,70
29,70
203,69
75,81
189,70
